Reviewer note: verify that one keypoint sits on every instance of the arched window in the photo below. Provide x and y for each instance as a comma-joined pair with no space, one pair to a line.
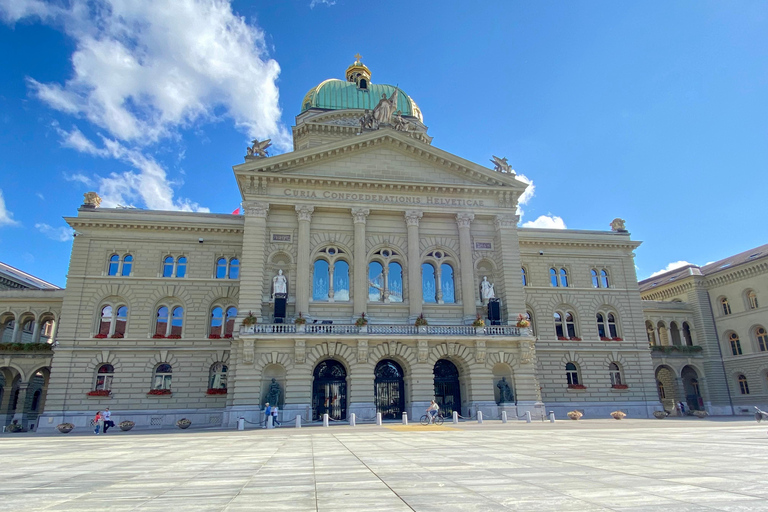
687,334
221,268
104,376
613,328
127,265
36,400
217,320
168,266
565,325
162,377
743,386
735,344
661,390
121,321
177,321
181,267
615,374
529,317
234,268
395,282
375,282
726,307
114,264
674,333
553,278
105,324
161,322
330,280
604,278
572,375
563,277
340,280
229,326
217,376
428,283
559,330
446,283
752,299
524,275
762,339
320,280
385,277
650,332
570,324
595,279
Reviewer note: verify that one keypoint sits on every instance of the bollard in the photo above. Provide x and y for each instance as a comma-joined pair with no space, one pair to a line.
527,416
298,421
325,419
551,416
503,416
455,417
405,418
378,418
269,422
241,424
479,416
352,419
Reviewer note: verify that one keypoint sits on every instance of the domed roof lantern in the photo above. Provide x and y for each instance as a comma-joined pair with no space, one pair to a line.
359,73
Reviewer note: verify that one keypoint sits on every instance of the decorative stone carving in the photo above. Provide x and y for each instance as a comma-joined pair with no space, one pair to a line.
508,220
279,284
501,165
300,351
464,219
273,395
362,351
258,149
486,289
617,224
412,217
368,122
452,349
91,200
248,351
527,352
256,209
304,212
385,108
423,351
505,392
480,351
359,215
401,123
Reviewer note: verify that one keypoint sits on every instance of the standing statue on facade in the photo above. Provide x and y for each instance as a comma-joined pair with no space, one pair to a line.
273,395
279,284
486,289
258,149
385,109
505,392
401,124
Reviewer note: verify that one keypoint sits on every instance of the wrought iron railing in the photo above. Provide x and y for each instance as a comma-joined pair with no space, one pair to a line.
385,329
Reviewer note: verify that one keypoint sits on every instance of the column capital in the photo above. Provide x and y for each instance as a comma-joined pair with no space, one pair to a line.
412,217
464,219
304,212
508,220
255,209
359,215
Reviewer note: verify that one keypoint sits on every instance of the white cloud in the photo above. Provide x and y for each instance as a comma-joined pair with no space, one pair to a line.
547,222
527,195
327,3
143,68
80,178
6,217
671,266
63,234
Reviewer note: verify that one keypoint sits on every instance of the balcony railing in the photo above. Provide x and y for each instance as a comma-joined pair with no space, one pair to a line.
676,349
384,329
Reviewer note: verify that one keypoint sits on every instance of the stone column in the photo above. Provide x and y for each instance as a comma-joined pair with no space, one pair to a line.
513,300
527,390
360,297
36,331
252,266
302,286
467,269
21,404
415,298
16,330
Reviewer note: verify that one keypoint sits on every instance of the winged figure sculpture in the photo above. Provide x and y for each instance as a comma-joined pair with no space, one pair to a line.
259,149
501,164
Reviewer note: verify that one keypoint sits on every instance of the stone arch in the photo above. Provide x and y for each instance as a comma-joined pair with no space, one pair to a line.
174,291
377,242
494,358
273,358
9,376
220,356
163,356
319,240
461,355
331,350
104,357
398,352
122,291
443,243
229,294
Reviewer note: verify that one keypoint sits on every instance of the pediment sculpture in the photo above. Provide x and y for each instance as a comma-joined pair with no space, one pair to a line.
501,165
258,149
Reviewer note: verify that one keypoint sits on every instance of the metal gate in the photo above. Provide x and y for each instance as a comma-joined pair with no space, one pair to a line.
329,391
447,387
388,388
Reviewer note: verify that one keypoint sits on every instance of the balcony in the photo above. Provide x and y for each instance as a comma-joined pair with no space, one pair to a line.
675,350
383,329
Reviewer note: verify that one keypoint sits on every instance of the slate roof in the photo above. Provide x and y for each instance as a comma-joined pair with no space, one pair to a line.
23,279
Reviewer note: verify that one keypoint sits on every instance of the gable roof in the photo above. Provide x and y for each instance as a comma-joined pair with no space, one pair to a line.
16,278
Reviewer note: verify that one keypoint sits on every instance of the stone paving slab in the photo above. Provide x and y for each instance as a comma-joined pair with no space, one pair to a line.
594,465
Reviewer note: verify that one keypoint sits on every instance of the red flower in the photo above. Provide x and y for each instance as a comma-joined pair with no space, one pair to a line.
159,392
118,335
227,335
620,386
158,336
577,386
603,338
100,336
575,338
174,337
99,392
214,336
216,391
618,339
562,338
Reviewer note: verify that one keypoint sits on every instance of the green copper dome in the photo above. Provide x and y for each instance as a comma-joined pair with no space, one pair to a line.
357,93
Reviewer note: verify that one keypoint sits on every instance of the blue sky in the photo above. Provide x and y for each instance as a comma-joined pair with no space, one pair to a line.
656,112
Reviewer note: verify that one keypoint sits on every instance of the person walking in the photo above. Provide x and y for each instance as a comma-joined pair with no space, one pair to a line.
98,421
108,420
267,414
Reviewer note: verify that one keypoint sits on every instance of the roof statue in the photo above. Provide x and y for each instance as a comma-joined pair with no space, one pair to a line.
401,123
617,224
386,108
501,165
91,200
259,149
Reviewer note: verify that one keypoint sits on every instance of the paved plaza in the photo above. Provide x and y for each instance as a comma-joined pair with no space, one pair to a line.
679,464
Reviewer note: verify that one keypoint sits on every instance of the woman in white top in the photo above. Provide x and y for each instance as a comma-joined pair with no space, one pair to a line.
432,411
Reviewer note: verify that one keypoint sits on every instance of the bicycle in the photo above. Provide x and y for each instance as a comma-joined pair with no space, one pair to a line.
437,421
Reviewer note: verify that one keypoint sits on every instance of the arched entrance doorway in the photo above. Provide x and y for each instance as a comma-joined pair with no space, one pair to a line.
329,390
691,386
389,389
447,387
667,388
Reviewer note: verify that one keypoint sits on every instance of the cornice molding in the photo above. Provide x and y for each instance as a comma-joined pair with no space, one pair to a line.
560,242
104,224
737,273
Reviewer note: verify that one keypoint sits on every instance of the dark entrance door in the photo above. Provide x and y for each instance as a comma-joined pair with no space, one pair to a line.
389,389
447,389
329,390
692,391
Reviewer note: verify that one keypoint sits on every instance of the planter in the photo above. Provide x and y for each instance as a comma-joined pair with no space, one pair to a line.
65,428
126,425
620,386
158,392
183,423
103,393
216,391
618,415
700,414
575,415
659,415
577,386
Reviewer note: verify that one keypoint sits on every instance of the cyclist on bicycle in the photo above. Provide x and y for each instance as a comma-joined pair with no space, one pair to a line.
432,411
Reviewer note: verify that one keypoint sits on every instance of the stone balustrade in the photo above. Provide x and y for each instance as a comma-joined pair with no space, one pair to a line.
385,329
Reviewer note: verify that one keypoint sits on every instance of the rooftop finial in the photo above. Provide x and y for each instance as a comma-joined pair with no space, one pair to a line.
357,58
